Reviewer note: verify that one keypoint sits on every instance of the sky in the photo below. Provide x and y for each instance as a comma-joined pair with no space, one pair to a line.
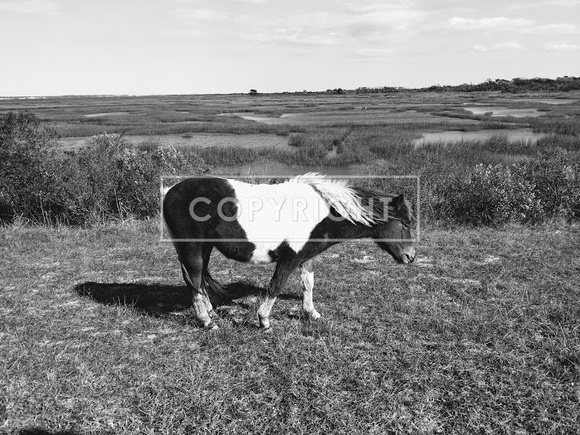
145,47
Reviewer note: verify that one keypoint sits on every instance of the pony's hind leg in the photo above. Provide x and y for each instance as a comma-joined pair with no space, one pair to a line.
192,266
307,283
265,310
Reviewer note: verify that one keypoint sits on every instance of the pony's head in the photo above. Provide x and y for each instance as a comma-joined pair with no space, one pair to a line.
394,236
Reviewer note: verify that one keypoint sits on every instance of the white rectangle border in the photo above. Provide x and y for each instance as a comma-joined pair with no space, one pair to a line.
417,228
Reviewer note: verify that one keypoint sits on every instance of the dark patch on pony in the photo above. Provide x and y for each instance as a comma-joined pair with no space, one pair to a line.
179,221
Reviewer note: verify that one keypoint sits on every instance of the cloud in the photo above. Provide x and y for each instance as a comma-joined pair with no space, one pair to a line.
200,2
311,30
204,15
565,3
545,5
363,25
383,22
391,16
501,46
496,23
358,29
512,45
195,21
181,33
374,52
43,7
291,36
561,46
563,29
518,25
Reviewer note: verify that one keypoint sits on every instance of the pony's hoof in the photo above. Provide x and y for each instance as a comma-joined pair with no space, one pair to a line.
212,327
264,323
313,316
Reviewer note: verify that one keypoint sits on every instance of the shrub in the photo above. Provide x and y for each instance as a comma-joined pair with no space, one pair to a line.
536,190
112,179
25,147
108,179
490,195
555,176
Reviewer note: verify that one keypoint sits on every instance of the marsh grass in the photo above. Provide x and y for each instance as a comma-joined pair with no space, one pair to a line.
333,148
478,336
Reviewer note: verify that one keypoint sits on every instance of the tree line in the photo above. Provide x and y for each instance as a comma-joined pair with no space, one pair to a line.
515,85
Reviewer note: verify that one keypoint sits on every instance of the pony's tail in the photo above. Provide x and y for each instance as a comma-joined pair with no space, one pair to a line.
215,291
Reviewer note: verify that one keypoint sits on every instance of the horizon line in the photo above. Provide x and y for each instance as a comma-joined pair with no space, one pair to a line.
346,90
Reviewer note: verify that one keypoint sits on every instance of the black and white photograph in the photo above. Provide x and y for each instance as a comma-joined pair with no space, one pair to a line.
289,217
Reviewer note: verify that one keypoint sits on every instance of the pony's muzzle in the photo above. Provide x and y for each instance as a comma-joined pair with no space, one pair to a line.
408,255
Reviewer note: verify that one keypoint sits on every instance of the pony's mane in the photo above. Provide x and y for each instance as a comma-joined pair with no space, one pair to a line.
340,195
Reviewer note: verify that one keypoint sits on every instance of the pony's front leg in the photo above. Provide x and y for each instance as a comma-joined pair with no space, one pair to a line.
307,283
265,310
276,285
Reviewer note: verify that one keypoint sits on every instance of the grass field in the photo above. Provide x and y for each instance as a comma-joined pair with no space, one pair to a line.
480,335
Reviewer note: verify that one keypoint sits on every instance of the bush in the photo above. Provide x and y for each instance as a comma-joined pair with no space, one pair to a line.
25,147
544,188
112,179
490,195
555,176
109,179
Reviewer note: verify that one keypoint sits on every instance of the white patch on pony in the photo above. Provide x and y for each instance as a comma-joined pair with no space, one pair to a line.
271,214
260,255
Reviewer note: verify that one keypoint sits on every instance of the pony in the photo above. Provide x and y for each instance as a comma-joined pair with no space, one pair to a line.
288,223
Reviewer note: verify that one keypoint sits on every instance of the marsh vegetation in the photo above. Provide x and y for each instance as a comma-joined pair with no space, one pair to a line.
433,135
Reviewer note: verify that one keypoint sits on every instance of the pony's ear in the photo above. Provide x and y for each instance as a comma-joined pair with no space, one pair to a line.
398,202
401,209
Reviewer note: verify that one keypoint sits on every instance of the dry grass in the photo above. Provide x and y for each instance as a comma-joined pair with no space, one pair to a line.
480,335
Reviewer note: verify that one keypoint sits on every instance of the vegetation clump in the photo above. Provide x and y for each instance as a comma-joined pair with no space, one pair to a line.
109,179
495,195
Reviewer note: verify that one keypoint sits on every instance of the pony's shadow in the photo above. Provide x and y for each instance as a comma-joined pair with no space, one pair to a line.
161,300
40,431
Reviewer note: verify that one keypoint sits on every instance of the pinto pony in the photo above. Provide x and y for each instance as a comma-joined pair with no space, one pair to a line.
288,223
